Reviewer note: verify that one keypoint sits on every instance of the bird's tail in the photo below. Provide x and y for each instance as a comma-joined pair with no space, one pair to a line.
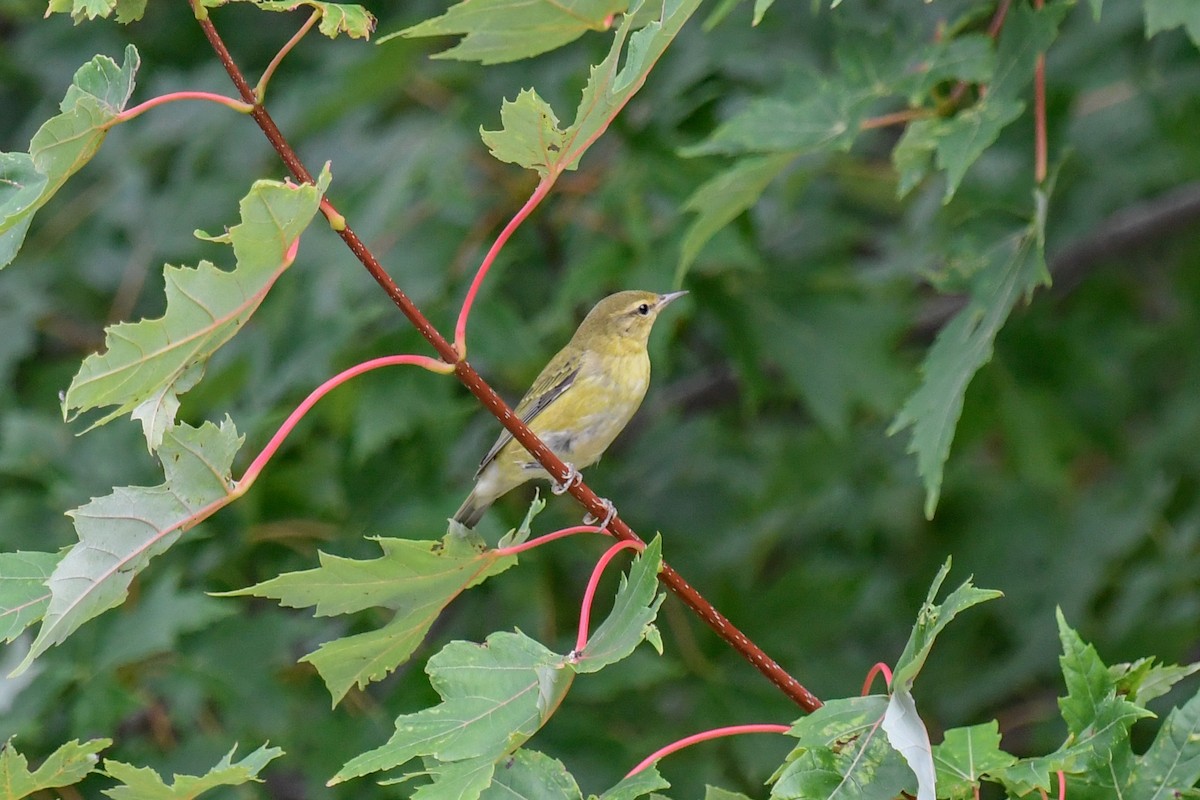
471,511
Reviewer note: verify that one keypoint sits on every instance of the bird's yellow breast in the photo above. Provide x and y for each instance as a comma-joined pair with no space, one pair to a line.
581,424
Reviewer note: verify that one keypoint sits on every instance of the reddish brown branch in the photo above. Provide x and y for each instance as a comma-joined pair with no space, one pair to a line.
497,407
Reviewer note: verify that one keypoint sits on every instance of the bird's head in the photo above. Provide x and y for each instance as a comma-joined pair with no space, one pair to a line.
623,318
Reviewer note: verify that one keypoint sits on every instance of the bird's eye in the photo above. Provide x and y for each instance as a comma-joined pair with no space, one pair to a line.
644,309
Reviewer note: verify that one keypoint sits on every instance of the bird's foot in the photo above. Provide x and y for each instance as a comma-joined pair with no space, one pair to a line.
574,476
610,511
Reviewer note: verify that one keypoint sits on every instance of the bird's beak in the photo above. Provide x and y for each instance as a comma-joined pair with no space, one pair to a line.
665,299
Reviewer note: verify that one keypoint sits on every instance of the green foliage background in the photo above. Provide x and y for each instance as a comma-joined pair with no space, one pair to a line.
761,453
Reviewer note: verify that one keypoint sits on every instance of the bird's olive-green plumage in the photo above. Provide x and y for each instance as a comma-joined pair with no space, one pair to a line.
582,399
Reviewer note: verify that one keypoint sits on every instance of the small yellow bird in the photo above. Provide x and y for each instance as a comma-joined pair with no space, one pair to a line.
580,402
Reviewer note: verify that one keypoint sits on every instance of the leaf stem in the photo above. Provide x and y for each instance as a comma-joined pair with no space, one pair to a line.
260,91
495,404
715,733
546,539
895,118
141,108
589,594
876,670
535,199
256,466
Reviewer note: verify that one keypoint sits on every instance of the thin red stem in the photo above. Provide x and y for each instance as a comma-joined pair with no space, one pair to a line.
589,594
487,396
260,91
1062,785
171,97
716,733
256,466
535,199
546,539
875,670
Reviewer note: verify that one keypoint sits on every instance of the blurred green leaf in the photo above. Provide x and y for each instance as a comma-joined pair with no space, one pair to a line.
1163,15
829,118
147,365
720,199
120,532
956,142
1015,266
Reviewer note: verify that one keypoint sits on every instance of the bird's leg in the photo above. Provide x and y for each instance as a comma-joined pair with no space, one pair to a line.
610,511
574,476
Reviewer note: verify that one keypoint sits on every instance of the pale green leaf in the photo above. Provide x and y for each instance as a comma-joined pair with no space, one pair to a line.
932,618
494,697
1163,15
1015,266
529,134
147,364
720,199
495,31
842,745
336,18
965,756
416,578
638,785
120,532
62,145
130,10
65,766
717,793
143,783
23,591
530,775
456,780
632,617
907,735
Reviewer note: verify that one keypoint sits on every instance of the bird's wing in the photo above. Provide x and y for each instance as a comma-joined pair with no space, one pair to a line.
555,379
